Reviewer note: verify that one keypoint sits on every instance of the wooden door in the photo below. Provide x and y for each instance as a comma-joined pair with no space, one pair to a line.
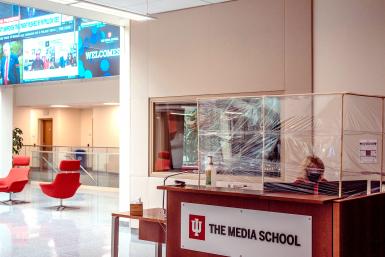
46,140
47,133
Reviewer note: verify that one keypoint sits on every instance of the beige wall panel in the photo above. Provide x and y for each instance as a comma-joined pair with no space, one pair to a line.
86,127
240,46
349,46
106,127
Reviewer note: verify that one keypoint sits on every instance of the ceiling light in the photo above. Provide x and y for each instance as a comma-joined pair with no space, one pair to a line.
111,104
111,11
59,106
64,1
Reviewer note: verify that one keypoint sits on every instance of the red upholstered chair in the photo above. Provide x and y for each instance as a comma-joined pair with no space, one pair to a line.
16,179
20,160
65,184
69,165
163,163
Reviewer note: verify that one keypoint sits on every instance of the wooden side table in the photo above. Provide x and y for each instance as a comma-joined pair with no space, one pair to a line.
152,227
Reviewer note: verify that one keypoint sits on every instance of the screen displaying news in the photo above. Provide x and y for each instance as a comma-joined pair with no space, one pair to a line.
41,46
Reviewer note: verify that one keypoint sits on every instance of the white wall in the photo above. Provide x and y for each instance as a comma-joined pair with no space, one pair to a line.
86,127
106,126
71,127
6,109
66,125
239,46
70,92
349,46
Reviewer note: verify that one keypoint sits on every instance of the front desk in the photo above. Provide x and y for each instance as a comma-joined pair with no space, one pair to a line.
248,223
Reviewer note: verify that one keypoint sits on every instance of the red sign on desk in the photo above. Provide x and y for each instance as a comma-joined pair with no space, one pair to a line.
197,227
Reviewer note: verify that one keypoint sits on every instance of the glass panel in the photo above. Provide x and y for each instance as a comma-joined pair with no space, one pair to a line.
362,149
175,137
99,165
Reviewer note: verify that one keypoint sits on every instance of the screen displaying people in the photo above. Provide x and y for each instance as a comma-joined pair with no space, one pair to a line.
10,66
38,63
37,45
50,57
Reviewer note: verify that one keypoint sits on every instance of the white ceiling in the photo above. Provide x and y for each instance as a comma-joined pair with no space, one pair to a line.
154,6
146,7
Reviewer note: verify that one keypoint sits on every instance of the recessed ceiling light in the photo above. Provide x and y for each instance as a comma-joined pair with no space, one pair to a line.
111,11
59,106
111,104
64,1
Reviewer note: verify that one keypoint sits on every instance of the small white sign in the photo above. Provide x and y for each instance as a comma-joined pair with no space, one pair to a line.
368,151
238,232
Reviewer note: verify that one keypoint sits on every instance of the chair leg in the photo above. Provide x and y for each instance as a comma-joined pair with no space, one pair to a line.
9,201
61,206
12,202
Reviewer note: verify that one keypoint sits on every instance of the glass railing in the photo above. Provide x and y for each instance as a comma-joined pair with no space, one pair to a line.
99,165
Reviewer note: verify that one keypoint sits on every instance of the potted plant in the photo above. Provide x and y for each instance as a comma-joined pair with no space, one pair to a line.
17,140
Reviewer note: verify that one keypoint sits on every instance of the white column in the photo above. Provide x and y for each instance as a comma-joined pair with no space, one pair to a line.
124,119
6,126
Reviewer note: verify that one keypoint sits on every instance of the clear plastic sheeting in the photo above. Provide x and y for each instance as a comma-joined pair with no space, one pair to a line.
328,144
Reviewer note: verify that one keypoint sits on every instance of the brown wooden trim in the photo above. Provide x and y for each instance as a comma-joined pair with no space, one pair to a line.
257,194
336,230
151,107
347,199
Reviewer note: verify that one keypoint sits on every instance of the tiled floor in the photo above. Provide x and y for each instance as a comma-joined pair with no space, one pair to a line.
36,229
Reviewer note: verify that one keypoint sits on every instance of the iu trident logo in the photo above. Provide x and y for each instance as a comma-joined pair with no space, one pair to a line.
197,227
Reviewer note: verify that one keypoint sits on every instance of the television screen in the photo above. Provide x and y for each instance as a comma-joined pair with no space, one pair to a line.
41,46
50,57
99,49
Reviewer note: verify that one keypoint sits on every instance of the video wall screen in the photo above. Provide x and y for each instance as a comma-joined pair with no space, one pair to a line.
37,46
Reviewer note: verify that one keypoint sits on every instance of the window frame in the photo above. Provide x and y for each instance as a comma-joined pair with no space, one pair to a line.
151,144
182,99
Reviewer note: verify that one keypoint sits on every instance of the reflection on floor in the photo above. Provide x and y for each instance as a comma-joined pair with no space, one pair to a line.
36,229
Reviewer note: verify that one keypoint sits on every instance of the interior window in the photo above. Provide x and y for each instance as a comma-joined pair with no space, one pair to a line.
175,137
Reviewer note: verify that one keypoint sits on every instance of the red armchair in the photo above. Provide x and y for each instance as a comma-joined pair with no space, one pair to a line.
65,184
163,163
16,179
20,160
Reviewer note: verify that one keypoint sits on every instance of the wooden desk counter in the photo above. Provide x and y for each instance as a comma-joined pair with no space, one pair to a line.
341,227
255,194
319,207
151,215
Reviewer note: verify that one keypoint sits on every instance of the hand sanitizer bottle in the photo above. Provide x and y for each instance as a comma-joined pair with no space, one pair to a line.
210,172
